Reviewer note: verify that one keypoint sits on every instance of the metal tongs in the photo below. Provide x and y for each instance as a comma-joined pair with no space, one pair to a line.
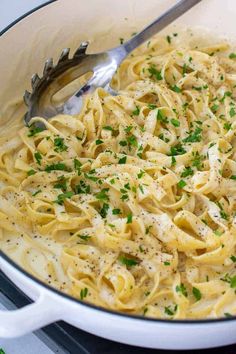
102,65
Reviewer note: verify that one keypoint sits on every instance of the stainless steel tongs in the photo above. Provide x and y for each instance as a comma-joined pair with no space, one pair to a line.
102,65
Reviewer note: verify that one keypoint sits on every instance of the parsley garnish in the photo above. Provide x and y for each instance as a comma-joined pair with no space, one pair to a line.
168,38
175,122
57,167
129,262
194,136
84,237
169,311
37,192
136,111
38,157
129,219
155,73
232,55
102,195
61,183
233,177
59,145
177,150
31,172
83,293
181,183
233,258
122,160
232,112
98,142
187,172
161,117
61,197
104,210
108,127
197,294
33,130
175,88
82,188
181,289
116,211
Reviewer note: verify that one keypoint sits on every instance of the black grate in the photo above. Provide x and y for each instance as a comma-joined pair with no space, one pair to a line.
75,341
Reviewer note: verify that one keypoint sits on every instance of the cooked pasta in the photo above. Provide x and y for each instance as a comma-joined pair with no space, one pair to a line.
131,204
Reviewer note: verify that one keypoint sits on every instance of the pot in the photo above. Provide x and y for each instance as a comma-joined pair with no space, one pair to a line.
25,46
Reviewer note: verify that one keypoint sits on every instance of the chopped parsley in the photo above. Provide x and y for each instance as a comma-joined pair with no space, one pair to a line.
99,142
161,117
62,197
83,293
175,88
232,55
169,311
187,172
181,289
59,145
168,38
116,211
129,262
177,150
155,73
132,141
102,195
227,126
233,177
181,183
122,160
33,130
108,127
233,258
194,136
57,167
232,112
129,219
136,111
84,237
104,210
197,294
37,192
61,183
31,172
82,188
175,122
38,157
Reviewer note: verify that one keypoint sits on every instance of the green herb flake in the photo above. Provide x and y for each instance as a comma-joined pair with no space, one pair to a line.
104,210
62,197
136,111
155,73
233,282
84,237
108,127
177,150
181,289
194,136
232,55
197,294
232,112
161,117
37,192
99,142
116,211
122,160
168,38
83,293
181,183
102,195
175,88
166,263
141,174
129,262
233,177
227,126
187,172
175,122
57,167
129,219
60,145
38,157
82,188
31,172
233,258
33,130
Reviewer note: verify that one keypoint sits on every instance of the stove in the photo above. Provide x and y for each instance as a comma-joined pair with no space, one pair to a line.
61,337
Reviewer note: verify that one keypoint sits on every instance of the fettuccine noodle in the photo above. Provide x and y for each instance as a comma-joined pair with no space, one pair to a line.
131,204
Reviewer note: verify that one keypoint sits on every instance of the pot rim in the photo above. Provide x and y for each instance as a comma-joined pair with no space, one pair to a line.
86,304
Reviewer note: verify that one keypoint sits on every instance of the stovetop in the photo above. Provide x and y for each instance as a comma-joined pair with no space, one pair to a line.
68,339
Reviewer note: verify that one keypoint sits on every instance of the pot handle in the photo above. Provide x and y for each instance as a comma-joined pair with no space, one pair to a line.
29,318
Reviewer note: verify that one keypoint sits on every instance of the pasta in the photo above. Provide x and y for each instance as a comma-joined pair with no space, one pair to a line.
131,204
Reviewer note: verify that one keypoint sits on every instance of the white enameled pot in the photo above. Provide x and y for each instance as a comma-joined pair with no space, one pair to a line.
24,47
